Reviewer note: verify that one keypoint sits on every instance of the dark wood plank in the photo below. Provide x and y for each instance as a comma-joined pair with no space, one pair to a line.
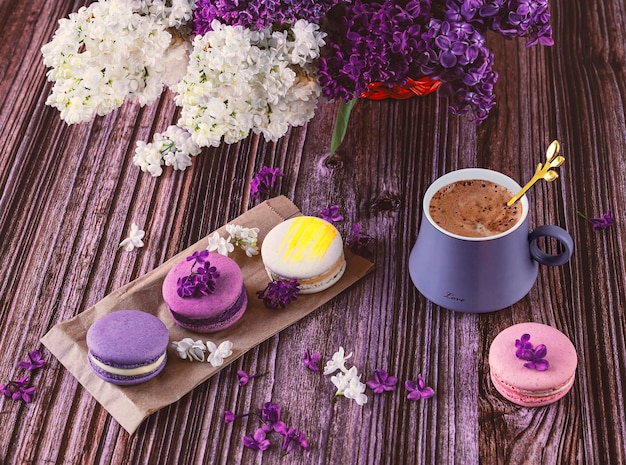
70,193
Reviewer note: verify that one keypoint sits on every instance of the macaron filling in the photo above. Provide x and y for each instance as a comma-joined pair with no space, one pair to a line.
330,276
562,389
128,372
225,316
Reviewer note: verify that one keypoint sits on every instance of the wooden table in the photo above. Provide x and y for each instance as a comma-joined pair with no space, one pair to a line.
70,193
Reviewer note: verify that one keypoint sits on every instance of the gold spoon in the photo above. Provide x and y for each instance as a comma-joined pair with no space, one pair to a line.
543,171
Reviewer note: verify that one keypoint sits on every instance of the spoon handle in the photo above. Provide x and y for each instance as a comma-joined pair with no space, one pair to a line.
537,176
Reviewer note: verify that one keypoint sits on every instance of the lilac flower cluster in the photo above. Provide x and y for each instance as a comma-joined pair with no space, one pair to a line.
389,41
270,417
371,41
202,280
510,18
20,388
534,356
279,294
456,54
258,14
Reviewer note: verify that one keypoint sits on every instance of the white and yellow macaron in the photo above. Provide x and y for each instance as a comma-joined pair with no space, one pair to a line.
307,249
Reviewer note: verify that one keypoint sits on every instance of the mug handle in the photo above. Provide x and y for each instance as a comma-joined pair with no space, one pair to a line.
560,235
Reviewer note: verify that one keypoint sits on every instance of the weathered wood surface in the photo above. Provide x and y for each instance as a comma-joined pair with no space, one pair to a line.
69,195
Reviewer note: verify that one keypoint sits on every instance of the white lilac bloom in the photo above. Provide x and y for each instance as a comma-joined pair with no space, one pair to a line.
342,379
107,52
356,391
217,354
170,13
338,362
347,381
188,349
174,148
244,238
134,240
240,81
219,244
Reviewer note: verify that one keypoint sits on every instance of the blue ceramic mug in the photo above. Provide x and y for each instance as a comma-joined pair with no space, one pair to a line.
480,274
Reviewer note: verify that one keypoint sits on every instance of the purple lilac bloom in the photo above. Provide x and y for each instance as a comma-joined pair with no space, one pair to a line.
279,294
244,377
510,18
263,183
456,54
371,41
25,394
258,14
418,390
201,281
19,389
534,356
602,222
257,441
292,437
229,416
331,214
359,241
34,362
311,360
382,382
270,413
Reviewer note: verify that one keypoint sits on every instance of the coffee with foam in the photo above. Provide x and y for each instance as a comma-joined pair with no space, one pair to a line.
474,208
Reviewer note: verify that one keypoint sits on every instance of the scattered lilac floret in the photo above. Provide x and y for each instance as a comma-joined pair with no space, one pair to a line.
359,241
263,183
601,222
270,413
382,382
292,437
279,294
257,441
311,360
20,388
331,214
418,390
244,377
34,362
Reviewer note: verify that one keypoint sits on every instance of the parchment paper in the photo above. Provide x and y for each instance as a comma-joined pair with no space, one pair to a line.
130,405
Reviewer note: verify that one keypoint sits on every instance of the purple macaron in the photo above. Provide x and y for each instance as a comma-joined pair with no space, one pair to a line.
205,292
127,347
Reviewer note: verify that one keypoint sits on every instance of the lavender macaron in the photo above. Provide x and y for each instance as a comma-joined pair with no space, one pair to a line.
127,347
205,292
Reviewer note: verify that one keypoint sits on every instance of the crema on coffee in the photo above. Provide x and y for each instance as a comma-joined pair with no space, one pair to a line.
474,208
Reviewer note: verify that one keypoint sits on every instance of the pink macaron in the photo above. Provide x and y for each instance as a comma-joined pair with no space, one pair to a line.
532,364
205,292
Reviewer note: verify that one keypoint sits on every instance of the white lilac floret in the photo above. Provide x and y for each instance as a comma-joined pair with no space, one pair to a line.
134,239
191,350
217,354
347,381
174,148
